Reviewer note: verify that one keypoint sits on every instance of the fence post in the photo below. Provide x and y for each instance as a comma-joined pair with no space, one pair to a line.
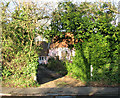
91,70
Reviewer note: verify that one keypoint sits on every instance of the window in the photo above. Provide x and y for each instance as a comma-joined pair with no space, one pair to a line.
42,58
39,58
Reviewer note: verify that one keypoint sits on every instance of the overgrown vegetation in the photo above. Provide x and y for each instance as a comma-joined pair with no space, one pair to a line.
19,55
96,40
57,65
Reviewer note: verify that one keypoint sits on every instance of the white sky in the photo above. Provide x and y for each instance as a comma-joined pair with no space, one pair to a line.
54,2
65,0
70,0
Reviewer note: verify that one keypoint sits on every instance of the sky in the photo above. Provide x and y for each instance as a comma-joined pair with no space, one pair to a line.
70,0
54,2
116,1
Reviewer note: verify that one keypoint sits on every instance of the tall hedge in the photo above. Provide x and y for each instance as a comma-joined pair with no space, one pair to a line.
96,40
19,52
96,52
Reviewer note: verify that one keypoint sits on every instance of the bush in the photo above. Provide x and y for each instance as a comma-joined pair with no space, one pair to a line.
77,68
97,52
20,71
56,65
19,51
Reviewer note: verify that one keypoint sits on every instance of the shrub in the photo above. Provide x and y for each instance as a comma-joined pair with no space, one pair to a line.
19,52
97,52
56,65
20,71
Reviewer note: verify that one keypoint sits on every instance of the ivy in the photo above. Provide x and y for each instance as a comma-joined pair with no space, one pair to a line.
19,52
99,45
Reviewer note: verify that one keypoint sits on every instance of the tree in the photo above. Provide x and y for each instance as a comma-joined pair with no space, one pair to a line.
18,49
88,22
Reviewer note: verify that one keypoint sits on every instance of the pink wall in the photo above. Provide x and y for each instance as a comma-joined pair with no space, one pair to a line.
58,52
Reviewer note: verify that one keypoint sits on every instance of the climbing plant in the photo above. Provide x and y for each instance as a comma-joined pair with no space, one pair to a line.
19,55
96,40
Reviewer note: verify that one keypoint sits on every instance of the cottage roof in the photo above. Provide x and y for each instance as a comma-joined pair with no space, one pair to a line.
69,39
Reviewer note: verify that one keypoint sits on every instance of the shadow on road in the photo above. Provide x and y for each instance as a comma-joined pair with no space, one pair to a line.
45,75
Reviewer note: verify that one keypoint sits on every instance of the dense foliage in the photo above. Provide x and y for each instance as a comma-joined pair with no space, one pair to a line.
56,65
97,39
19,55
